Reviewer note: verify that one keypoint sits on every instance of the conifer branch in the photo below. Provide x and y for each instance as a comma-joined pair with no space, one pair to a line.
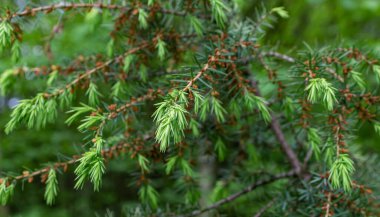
92,71
265,208
288,59
246,190
76,65
328,205
278,55
292,157
70,6
151,95
199,74
29,176
107,153
275,125
292,60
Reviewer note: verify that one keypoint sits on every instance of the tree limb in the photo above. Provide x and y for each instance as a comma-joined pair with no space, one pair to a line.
265,208
292,60
275,125
242,192
69,6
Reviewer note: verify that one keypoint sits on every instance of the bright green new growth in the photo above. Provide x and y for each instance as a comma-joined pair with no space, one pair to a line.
204,108
8,40
117,89
341,171
149,195
170,119
51,190
220,149
89,121
252,101
217,109
91,166
6,34
186,168
6,81
208,105
93,19
77,112
99,143
143,162
93,94
96,172
161,49
66,98
143,72
320,89
197,25
376,69
52,77
219,191
376,126
314,141
219,10
281,12
170,164
143,16
110,48
34,113
357,76
288,107
6,192
16,51
128,60
198,100
150,2
329,150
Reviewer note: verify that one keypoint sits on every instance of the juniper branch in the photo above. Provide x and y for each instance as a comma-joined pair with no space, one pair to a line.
69,6
199,74
106,153
242,192
275,125
92,71
151,95
293,60
265,208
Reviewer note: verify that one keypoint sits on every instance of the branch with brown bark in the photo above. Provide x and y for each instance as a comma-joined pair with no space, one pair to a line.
275,125
246,190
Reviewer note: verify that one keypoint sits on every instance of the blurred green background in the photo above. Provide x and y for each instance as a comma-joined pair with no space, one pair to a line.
316,22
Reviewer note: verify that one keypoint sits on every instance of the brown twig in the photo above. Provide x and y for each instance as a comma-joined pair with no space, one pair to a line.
151,95
275,125
242,192
292,60
199,74
92,71
279,56
74,159
328,204
265,208
57,28
69,6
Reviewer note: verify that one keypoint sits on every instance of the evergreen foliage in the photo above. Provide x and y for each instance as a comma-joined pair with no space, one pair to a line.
186,97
